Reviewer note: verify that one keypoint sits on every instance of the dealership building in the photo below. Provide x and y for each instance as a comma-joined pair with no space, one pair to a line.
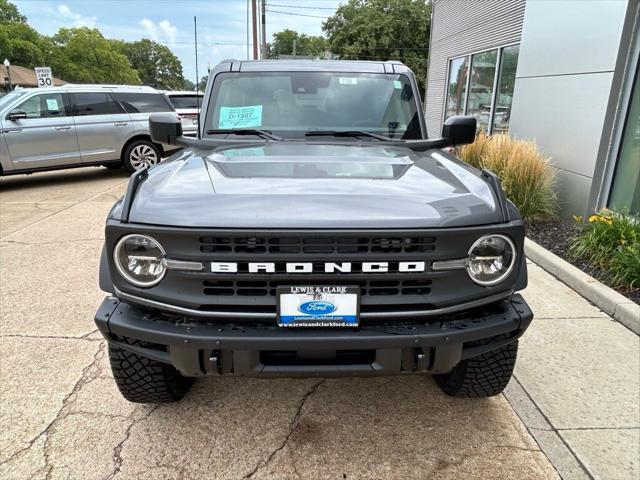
564,73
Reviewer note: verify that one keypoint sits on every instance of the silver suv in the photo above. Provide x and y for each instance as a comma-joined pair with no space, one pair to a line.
79,125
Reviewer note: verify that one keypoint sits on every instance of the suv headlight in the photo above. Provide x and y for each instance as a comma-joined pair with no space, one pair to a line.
491,259
139,259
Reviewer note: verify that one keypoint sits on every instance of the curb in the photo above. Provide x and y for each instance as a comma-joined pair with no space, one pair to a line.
606,299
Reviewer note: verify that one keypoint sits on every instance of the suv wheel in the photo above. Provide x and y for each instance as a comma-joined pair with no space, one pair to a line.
483,376
141,154
142,380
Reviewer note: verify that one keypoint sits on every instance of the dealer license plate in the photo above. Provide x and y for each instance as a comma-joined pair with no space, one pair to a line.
318,306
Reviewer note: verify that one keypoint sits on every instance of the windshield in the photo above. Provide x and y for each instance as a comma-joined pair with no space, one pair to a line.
292,103
10,97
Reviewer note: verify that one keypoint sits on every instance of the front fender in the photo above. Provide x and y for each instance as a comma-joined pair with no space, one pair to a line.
105,276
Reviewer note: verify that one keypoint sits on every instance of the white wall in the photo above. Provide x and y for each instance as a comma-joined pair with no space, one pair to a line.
567,57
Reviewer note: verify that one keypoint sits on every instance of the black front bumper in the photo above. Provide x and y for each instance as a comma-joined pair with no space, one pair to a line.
198,348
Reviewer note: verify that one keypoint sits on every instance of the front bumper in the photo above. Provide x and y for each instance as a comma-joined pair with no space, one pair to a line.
198,348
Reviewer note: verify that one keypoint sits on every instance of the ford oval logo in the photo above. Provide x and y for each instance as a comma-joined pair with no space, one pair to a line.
317,307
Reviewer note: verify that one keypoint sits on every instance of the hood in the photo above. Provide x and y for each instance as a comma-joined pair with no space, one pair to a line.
306,185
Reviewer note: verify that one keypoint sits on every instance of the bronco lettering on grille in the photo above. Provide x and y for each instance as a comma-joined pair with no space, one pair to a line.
327,267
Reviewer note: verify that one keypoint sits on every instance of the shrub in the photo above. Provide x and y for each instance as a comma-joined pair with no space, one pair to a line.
527,178
610,241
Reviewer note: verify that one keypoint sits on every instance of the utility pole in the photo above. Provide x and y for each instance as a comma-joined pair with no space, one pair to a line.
195,41
254,17
248,29
294,48
263,5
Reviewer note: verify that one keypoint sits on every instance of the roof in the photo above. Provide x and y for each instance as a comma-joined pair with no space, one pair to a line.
94,87
25,77
359,66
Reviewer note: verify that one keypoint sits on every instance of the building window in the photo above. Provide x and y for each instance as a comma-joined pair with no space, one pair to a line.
480,98
457,86
625,190
490,86
506,81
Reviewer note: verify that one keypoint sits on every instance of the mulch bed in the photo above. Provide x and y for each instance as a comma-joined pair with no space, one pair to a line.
556,235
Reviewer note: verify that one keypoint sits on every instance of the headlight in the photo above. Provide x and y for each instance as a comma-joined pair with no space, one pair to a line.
139,259
491,259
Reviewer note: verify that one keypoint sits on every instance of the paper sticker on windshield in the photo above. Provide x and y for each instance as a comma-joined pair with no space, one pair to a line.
397,84
52,104
240,117
348,81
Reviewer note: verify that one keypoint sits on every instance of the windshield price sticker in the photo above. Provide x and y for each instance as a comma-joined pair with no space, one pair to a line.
240,117
44,77
348,81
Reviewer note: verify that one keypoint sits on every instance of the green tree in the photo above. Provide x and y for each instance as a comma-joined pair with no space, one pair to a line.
382,30
9,13
202,85
156,64
21,44
83,55
306,45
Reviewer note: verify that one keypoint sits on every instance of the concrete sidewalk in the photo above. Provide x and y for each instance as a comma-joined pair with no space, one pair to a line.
577,384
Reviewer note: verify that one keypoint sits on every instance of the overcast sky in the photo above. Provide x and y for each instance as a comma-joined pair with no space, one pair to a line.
222,24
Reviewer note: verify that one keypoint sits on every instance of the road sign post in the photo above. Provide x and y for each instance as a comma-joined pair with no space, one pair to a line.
44,77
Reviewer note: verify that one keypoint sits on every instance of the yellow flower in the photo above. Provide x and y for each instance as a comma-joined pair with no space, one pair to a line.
594,218
578,218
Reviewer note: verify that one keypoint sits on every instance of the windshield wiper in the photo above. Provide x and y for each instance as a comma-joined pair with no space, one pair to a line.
247,131
346,133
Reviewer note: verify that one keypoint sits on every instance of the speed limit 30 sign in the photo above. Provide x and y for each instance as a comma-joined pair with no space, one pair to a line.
43,76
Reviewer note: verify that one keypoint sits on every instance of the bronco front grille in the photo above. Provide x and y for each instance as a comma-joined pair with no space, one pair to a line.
315,245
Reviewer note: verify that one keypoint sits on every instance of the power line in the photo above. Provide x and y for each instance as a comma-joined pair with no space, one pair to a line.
296,14
300,6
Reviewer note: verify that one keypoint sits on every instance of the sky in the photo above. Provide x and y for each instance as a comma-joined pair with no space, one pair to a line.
222,24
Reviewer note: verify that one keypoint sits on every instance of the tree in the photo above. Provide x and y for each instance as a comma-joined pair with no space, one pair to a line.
306,45
382,30
9,13
21,44
83,55
202,85
156,64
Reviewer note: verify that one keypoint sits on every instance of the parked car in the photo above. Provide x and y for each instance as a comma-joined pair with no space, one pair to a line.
187,105
312,230
79,125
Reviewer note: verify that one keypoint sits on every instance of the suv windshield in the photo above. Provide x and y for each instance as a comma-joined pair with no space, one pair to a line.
292,103
10,97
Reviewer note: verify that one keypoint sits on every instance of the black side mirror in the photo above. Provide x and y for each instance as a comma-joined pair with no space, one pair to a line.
165,128
17,114
459,130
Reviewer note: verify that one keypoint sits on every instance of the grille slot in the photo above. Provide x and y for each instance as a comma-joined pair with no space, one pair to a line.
250,288
317,245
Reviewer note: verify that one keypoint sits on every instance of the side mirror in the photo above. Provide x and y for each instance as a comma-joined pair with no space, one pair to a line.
165,128
459,130
17,114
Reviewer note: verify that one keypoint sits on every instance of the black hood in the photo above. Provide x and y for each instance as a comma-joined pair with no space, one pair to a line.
306,185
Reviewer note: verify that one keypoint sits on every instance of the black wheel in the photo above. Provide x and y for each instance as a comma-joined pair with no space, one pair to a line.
483,376
142,380
140,154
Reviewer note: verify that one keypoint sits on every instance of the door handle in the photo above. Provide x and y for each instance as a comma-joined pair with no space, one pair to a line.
12,130
63,128
120,124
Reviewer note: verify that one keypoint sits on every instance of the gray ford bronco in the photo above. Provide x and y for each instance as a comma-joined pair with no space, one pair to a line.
312,229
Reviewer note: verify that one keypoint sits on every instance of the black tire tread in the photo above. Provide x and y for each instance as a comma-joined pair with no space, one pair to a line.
127,152
483,376
143,380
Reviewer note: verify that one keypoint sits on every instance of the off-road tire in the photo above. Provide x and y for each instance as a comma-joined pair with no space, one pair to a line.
139,147
142,380
483,376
